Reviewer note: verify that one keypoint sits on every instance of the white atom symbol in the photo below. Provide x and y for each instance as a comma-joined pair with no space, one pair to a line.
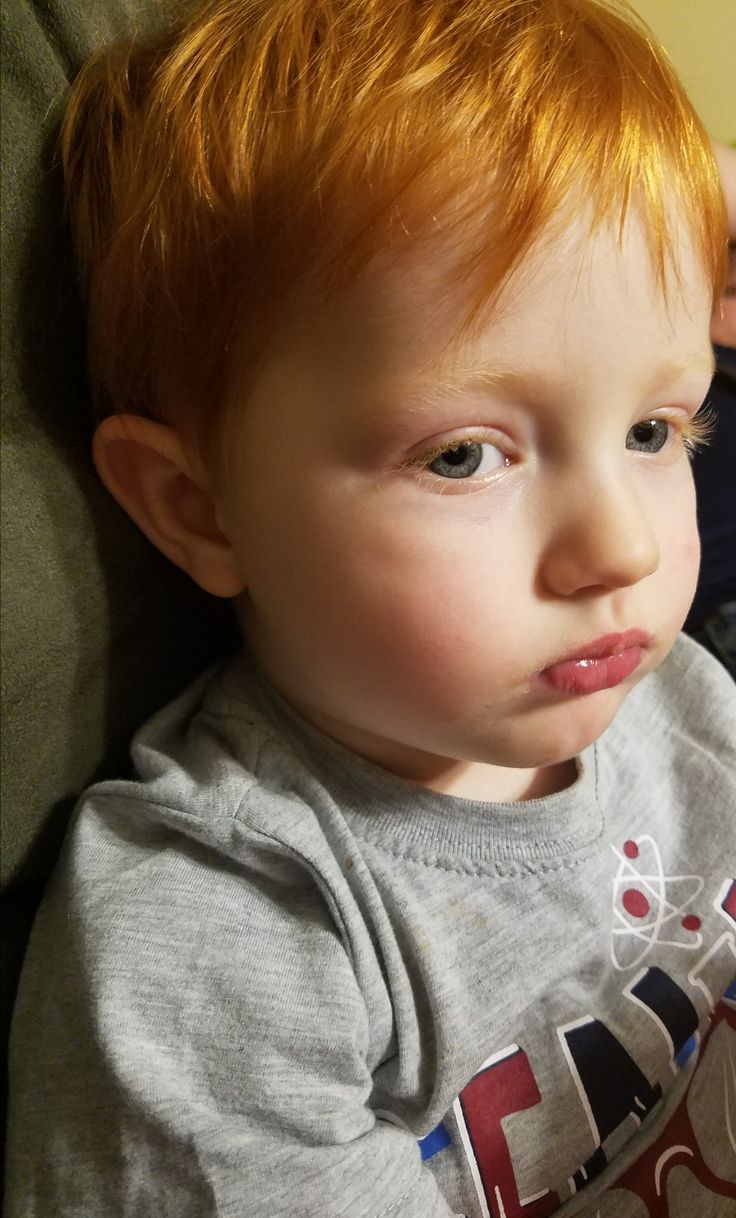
645,901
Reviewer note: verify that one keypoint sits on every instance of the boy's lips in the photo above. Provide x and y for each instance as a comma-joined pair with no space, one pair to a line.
601,664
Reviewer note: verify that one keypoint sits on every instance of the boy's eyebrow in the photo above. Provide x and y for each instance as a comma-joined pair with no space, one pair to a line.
454,378
696,362
444,379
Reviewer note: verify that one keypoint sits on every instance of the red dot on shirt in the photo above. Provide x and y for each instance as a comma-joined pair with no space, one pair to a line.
631,850
691,922
635,903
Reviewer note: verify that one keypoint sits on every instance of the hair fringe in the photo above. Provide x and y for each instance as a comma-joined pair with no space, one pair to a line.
264,143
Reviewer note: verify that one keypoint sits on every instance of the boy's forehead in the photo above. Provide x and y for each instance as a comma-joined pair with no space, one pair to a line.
388,355
408,311
416,296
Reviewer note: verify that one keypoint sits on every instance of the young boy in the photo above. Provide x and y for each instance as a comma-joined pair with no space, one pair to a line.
424,904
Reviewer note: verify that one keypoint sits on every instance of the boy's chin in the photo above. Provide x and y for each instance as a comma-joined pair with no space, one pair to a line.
562,732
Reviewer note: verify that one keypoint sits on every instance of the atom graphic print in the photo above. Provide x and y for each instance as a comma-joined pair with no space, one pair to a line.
651,908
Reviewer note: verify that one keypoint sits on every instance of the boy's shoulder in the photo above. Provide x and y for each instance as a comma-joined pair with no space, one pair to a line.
690,693
215,826
688,661
210,769
674,739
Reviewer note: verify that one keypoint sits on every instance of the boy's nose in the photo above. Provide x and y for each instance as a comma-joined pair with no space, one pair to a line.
603,538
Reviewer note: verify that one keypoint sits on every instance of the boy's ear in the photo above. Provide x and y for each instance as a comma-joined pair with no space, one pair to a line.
154,476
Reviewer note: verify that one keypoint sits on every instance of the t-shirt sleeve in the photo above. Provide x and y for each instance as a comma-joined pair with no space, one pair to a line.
190,1040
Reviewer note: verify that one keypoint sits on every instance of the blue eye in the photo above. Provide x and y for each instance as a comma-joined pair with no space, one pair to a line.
650,436
465,459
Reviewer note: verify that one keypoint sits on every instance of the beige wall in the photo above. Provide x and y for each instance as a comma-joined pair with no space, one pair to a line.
700,38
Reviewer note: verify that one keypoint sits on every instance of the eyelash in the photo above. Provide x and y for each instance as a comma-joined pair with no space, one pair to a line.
697,431
425,459
694,432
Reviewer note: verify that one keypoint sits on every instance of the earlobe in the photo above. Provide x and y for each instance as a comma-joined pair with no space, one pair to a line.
150,471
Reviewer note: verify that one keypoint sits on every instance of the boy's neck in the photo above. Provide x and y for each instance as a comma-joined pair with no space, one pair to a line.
447,775
473,780
499,784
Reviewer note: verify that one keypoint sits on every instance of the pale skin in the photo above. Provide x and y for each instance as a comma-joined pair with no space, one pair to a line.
406,613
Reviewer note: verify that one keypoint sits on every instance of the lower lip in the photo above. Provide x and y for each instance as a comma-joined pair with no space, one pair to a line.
589,676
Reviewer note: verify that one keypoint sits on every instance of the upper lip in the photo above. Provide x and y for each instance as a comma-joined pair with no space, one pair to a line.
608,645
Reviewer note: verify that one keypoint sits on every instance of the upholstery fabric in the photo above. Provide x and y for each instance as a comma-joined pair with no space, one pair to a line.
98,629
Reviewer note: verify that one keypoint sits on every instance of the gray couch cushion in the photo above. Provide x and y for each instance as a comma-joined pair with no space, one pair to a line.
98,630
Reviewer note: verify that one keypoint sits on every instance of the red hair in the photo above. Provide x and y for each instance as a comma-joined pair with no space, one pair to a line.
265,143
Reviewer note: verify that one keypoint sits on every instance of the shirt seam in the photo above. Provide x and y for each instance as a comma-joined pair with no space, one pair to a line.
486,867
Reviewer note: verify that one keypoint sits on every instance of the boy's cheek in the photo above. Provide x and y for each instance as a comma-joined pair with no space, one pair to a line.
691,552
674,519
687,546
681,567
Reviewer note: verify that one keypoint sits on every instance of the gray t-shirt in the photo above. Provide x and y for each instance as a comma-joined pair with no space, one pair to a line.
271,980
